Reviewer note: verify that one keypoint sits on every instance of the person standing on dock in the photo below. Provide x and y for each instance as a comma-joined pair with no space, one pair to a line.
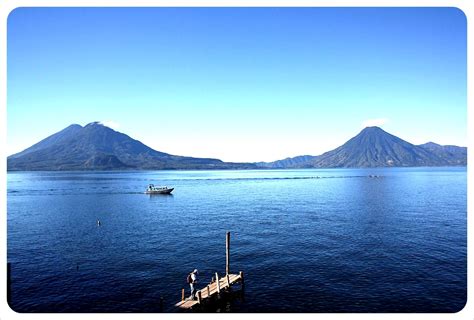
192,280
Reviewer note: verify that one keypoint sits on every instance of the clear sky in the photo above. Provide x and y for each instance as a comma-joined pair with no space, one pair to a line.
238,84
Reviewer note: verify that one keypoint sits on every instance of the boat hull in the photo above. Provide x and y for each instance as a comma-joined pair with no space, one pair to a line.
164,191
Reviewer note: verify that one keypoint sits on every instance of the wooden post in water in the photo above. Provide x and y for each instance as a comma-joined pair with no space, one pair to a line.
227,252
182,294
218,284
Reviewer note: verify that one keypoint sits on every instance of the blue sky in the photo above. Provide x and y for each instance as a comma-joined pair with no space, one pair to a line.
238,84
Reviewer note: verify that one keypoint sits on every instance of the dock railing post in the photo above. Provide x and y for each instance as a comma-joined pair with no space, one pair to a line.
242,286
208,291
227,252
217,283
228,280
182,294
199,296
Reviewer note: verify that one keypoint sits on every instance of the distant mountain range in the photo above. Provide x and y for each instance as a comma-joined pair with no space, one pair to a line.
97,147
373,147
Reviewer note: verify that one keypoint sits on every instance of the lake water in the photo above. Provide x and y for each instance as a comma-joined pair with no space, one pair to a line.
333,240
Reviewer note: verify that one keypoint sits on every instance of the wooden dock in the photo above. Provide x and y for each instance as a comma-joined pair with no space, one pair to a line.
214,289
211,290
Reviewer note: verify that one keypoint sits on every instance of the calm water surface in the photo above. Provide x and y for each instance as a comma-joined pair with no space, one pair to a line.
333,240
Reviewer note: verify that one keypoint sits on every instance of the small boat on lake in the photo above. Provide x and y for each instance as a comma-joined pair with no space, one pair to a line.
158,190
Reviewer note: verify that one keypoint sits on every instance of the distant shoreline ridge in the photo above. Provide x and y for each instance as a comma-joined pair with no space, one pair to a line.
96,147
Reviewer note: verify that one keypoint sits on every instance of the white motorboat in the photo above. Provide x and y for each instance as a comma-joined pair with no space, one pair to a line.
158,190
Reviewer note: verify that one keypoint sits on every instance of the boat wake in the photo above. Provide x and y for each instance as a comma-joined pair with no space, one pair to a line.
106,190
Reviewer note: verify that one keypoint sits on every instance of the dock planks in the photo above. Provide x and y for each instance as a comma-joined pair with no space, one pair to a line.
210,290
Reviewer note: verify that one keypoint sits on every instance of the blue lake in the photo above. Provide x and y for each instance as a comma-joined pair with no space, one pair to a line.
335,240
